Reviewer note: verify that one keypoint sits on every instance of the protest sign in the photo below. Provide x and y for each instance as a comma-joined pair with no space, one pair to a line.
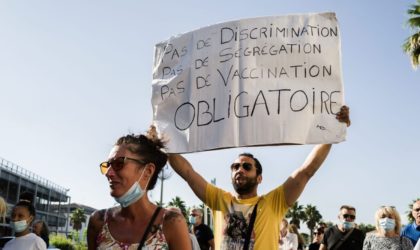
251,82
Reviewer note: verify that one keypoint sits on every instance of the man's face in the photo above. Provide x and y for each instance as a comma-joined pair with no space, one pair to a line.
416,212
347,215
244,175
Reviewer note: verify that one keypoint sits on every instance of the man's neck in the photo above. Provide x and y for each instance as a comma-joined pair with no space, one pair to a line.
247,196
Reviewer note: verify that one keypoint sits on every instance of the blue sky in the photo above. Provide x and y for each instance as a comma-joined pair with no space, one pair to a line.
76,75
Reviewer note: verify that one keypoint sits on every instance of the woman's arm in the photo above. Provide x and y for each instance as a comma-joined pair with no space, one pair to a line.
94,227
176,231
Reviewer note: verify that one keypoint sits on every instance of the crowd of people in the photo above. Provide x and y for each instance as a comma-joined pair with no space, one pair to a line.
388,233
249,220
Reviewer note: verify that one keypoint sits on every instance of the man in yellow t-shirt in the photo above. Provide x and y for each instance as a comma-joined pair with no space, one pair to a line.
246,175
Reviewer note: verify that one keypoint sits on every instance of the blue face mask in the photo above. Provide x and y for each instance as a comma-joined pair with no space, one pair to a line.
19,226
133,194
347,225
191,220
387,224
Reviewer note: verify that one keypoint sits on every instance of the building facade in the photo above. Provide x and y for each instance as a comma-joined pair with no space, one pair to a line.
50,199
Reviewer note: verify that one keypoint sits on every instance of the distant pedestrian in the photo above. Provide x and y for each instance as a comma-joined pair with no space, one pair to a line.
3,210
203,232
301,242
318,236
40,228
288,240
23,214
344,235
412,230
387,233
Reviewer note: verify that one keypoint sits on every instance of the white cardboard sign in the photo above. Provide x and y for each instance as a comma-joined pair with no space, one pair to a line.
251,82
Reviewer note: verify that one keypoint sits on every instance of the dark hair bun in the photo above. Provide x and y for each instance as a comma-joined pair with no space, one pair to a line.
26,197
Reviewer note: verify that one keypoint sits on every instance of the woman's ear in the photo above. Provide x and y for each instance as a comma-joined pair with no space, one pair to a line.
149,169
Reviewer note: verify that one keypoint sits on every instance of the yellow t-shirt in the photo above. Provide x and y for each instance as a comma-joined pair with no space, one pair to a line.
236,214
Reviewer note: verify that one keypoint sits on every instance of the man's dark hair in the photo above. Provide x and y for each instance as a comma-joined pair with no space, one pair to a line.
257,162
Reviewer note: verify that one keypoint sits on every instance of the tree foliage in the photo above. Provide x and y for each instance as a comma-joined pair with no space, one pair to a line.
179,203
296,213
77,218
313,217
412,44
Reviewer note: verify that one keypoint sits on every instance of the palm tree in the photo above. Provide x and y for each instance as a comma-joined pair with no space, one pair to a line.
77,218
179,203
297,214
313,217
412,43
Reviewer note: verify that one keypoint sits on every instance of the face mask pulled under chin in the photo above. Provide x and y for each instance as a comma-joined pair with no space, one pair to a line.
133,194
19,226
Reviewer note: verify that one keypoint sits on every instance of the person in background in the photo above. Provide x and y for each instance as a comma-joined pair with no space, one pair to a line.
203,232
412,230
3,209
40,228
23,214
132,170
387,233
288,240
318,236
343,236
244,206
301,242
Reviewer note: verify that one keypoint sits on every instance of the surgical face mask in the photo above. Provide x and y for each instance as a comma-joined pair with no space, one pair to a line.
387,224
347,225
19,226
133,194
191,220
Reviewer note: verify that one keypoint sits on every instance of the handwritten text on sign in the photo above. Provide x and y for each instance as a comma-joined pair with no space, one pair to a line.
257,81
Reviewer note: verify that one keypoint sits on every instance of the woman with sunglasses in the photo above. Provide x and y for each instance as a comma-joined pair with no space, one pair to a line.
23,214
131,170
318,235
387,233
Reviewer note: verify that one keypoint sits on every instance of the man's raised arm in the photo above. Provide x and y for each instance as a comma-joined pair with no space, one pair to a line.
197,183
296,182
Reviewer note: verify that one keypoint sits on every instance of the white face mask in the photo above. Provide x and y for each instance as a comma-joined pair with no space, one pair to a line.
19,226
387,224
347,225
133,194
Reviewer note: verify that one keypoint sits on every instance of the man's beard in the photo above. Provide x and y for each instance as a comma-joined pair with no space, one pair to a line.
246,187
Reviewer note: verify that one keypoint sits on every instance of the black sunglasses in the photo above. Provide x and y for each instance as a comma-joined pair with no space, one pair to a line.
346,216
245,165
117,164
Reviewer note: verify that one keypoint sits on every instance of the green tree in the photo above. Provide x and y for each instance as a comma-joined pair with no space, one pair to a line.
366,228
313,216
77,218
179,203
296,213
412,44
